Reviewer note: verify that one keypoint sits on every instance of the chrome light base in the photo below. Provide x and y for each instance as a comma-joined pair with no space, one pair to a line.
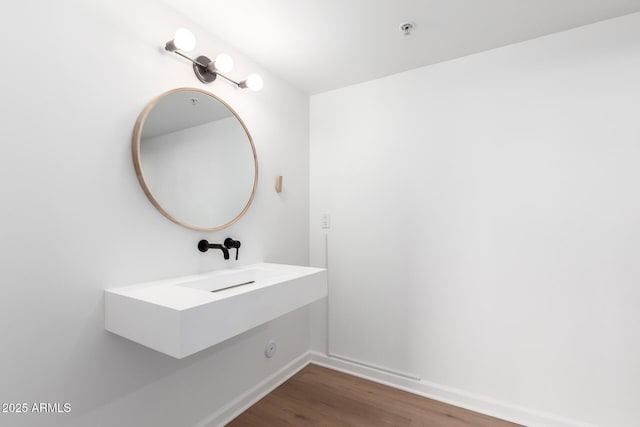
202,72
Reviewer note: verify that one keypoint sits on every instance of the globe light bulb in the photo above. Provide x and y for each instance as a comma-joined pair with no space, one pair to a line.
223,63
254,82
184,40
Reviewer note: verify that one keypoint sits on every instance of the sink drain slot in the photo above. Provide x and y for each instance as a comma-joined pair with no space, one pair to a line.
234,286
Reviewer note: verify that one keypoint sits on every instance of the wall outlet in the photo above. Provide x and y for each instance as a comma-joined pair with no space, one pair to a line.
325,221
270,349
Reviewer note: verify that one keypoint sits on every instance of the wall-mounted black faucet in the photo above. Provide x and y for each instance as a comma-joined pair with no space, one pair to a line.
204,246
229,243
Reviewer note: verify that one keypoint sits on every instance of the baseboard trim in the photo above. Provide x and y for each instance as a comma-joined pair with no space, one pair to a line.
374,367
474,402
463,399
253,395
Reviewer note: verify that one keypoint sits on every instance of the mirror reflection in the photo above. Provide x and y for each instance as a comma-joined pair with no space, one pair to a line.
195,159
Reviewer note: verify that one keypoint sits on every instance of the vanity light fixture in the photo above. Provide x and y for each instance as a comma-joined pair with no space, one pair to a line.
205,69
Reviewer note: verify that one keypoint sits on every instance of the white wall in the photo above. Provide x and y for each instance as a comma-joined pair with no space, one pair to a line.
75,76
485,223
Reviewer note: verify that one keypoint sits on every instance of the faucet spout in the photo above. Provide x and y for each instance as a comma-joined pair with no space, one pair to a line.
204,246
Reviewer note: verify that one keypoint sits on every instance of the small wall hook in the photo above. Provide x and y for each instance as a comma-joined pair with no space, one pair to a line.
279,184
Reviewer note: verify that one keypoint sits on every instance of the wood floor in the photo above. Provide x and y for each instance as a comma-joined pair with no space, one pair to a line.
317,396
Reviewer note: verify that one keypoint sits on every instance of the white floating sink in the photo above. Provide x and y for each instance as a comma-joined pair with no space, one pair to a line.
184,315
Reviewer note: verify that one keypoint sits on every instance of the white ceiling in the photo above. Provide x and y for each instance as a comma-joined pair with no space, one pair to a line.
319,45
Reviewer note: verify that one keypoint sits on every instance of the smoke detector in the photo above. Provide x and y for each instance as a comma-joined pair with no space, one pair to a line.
407,27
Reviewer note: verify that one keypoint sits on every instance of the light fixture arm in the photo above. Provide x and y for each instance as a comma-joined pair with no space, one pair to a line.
188,58
229,79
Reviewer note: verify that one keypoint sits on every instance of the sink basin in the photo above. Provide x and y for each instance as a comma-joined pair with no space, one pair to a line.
184,315
228,279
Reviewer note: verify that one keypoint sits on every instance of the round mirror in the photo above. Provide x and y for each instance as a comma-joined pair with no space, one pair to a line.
195,159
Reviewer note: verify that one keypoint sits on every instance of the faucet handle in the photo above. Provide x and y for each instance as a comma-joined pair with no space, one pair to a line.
229,243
